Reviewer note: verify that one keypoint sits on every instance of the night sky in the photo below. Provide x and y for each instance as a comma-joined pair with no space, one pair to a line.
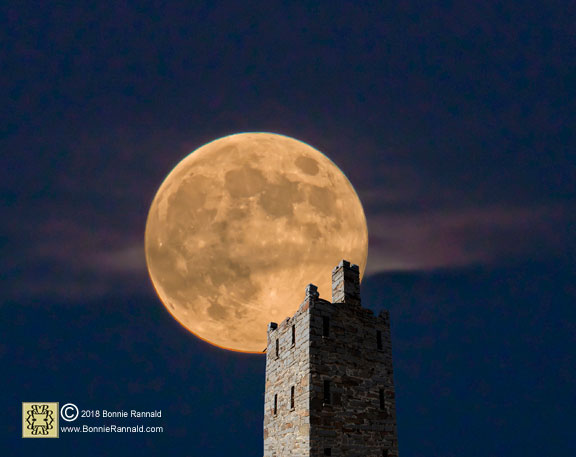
453,120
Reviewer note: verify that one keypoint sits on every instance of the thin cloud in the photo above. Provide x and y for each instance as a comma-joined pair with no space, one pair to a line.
424,240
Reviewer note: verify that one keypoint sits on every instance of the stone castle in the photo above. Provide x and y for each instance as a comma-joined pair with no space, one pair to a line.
329,386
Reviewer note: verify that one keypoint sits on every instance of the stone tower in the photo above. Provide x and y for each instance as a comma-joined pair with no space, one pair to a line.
329,387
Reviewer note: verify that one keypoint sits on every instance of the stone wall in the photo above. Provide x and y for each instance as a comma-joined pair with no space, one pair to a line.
341,367
287,432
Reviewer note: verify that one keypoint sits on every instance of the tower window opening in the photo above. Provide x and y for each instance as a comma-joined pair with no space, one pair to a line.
292,397
277,348
294,334
384,452
382,405
379,339
325,326
327,451
275,403
326,392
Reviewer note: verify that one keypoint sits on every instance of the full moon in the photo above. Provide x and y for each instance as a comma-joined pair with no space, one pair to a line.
239,228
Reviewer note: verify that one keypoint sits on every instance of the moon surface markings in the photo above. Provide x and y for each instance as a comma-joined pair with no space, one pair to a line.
307,165
251,226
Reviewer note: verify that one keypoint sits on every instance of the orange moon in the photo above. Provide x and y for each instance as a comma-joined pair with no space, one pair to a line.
239,228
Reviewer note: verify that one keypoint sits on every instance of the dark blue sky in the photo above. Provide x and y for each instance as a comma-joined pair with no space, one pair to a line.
453,120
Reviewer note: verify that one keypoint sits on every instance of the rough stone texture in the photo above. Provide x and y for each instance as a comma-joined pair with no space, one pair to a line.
359,418
346,283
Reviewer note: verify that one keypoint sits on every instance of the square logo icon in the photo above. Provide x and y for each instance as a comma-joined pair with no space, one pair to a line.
40,419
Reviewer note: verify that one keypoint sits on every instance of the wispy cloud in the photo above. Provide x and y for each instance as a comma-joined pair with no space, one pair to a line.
439,238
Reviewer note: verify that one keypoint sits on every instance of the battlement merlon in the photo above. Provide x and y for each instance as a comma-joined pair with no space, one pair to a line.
272,326
346,284
311,292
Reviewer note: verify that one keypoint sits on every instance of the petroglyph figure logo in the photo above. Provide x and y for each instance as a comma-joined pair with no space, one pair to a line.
39,420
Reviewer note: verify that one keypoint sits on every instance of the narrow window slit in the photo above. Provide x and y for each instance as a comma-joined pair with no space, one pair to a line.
327,392
325,326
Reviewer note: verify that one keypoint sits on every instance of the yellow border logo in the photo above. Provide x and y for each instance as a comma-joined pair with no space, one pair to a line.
40,419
